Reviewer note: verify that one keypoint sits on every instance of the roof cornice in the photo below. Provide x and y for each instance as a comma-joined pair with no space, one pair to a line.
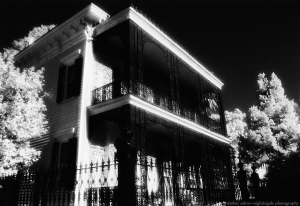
58,36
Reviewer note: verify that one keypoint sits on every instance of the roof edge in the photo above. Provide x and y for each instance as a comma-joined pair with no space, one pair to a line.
91,9
173,46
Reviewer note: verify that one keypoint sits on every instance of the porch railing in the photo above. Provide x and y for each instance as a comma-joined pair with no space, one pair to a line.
123,87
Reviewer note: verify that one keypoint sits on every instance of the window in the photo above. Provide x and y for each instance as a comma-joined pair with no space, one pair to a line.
64,154
187,87
63,164
69,82
156,72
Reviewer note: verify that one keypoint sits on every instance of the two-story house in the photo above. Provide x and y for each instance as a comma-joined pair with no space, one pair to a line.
125,96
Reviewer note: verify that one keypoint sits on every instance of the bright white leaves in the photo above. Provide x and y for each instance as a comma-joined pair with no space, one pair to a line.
235,123
272,124
277,115
21,107
32,36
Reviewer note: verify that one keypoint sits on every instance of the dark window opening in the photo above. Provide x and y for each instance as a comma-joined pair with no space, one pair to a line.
159,156
156,73
63,164
111,50
187,88
64,154
69,82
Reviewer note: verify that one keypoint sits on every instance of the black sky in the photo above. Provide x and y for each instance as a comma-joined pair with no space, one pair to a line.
236,40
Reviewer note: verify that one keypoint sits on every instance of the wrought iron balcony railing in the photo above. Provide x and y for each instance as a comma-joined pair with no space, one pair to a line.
123,87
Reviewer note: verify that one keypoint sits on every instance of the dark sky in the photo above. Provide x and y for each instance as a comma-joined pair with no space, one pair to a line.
236,40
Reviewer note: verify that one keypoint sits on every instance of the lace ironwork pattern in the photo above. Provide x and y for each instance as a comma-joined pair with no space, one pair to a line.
199,178
96,184
136,88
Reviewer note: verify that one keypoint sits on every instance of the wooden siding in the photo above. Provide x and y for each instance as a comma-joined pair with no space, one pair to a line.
64,115
60,116
43,144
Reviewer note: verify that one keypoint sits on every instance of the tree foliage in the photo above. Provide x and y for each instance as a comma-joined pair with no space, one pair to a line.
33,35
236,127
273,122
21,107
272,129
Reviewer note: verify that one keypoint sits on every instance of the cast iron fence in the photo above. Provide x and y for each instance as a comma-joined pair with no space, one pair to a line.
133,87
94,184
97,184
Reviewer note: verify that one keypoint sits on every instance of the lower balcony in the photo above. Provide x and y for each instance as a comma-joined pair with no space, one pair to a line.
137,89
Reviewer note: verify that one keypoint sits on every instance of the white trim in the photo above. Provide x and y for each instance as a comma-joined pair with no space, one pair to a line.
170,44
64,135
140,20
111,22
102,15
114,103
90,13
69,59
109,105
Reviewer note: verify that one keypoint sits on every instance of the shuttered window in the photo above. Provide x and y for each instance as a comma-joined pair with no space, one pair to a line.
69,81
63,164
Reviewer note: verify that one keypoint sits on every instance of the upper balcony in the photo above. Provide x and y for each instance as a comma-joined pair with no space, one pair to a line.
133,66
124,87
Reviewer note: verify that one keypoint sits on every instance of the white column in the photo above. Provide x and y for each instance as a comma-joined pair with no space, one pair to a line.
88,66
83,142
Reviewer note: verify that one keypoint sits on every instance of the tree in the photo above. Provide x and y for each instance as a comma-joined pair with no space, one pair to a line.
273,121
21,107
270,134
33,35
272,124
236,127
